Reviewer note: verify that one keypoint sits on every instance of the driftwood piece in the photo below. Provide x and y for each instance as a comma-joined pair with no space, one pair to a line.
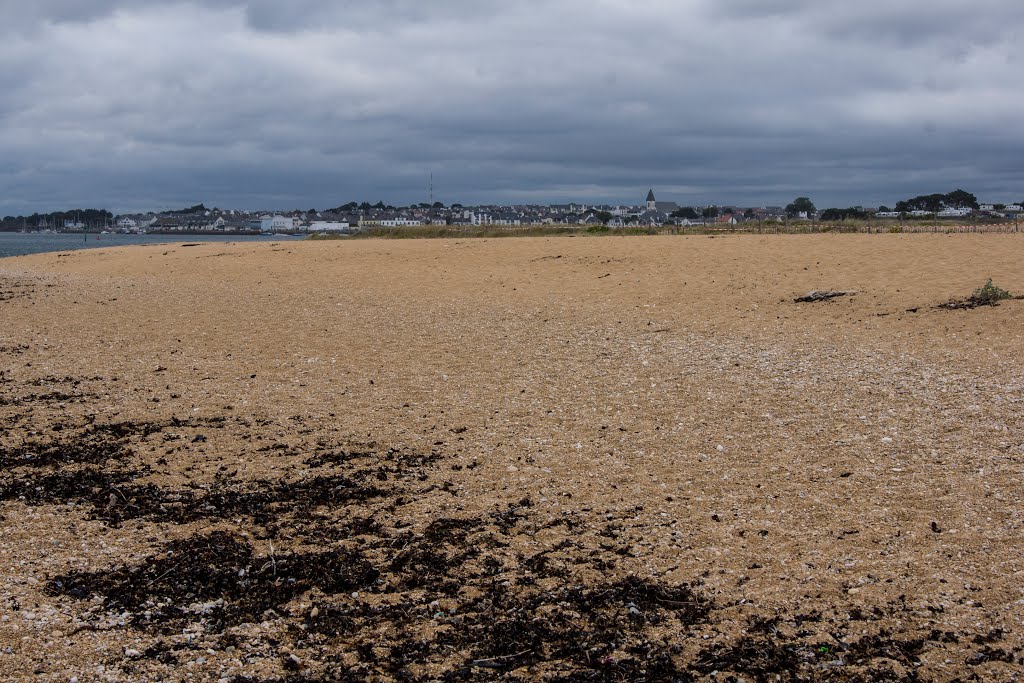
822,295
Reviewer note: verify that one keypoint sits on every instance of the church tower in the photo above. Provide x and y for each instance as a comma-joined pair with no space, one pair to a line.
652,204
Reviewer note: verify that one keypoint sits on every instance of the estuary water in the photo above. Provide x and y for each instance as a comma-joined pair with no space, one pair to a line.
18,243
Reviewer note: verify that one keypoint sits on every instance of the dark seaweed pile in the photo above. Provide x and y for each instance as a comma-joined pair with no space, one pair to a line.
11,288
348,582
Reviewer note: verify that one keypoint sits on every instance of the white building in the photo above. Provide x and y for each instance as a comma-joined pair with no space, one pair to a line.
955,213
506,219
328,226
281,223
958,212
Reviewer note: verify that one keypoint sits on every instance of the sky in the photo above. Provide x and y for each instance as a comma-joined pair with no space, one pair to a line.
138,105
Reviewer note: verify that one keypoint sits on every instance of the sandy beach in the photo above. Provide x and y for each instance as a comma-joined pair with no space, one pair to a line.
558,459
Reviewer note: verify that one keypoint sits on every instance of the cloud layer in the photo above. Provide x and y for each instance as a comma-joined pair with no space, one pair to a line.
264,104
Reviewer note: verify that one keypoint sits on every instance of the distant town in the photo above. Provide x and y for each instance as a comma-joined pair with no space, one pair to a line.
357,217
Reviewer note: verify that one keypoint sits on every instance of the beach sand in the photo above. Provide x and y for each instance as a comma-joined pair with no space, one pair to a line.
590,458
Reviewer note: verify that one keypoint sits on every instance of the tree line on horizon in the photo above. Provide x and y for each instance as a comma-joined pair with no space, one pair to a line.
56,219
931,203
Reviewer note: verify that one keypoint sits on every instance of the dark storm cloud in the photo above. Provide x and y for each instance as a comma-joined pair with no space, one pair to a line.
149,103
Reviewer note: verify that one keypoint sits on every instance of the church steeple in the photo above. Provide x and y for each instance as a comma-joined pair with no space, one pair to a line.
652,204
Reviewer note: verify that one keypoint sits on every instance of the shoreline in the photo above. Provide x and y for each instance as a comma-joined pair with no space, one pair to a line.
15,244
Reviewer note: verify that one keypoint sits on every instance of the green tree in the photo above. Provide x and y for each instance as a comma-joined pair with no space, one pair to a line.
843,214
198,208
960,198
710,212
933,203
800,205
604,217
685,212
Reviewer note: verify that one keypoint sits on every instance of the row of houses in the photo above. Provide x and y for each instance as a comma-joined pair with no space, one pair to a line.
616,217
1003,211
650,213
1010,210
952,212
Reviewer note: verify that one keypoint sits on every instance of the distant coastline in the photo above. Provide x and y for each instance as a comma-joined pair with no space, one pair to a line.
24,243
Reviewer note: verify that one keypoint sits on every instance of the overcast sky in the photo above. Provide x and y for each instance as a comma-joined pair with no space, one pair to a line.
154,104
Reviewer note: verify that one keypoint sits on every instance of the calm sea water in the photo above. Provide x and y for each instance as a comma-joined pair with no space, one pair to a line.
18,243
